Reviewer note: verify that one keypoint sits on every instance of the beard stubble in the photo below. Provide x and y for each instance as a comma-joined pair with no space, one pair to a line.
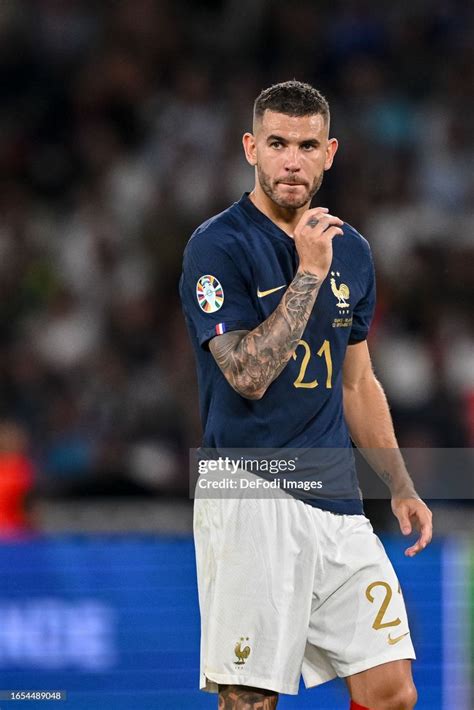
270,190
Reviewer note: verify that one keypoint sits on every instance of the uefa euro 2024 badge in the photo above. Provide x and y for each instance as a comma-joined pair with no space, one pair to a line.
209,293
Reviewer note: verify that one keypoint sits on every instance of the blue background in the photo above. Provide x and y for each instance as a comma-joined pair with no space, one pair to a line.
143,651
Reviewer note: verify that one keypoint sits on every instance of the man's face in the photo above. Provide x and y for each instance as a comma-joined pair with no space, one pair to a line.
290,154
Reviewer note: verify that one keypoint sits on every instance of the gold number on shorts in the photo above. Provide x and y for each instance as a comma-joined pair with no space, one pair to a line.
306,357
379,623
325,350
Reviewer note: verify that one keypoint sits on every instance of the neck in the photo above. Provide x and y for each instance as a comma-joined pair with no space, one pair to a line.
284,217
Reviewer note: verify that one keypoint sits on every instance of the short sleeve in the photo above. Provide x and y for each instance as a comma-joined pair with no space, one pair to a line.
214,289
364,310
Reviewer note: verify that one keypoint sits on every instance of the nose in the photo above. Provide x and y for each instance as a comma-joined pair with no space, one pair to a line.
292,159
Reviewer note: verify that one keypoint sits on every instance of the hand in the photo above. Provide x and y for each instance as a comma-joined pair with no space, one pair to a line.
313,240
413,513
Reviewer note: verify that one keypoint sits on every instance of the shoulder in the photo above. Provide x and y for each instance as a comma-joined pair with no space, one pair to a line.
353,248
222,233
354,240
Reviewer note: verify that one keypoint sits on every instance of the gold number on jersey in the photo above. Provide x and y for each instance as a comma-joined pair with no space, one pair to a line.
306,357
325,350
379,623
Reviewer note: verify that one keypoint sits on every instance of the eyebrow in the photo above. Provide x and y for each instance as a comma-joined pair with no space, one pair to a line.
308,141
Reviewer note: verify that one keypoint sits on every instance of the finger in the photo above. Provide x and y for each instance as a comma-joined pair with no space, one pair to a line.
333,232
416,548
315,210
330,219
426,534
404,521
316,213
323,222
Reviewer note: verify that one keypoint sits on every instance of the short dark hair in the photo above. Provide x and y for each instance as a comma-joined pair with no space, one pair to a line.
293,98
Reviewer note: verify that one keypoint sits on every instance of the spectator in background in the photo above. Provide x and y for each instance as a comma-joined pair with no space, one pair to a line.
16,479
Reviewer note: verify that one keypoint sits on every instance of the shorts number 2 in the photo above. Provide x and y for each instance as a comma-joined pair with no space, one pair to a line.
379,623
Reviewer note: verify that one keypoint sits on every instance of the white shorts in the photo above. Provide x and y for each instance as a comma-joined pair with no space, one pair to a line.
286,590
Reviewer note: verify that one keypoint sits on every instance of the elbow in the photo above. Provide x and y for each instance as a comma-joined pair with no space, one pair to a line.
245,386
248,393
248,390
350,390
256,395
362,384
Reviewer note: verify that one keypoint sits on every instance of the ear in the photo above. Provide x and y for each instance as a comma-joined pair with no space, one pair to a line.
331,149
250,148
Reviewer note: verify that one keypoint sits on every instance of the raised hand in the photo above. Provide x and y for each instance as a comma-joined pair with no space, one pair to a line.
313,240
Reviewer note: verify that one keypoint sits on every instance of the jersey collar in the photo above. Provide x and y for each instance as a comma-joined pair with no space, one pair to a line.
261,219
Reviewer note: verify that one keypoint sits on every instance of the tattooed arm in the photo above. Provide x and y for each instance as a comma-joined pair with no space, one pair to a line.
250,361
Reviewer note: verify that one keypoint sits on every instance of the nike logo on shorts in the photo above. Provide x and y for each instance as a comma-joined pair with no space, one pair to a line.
393,641
262,294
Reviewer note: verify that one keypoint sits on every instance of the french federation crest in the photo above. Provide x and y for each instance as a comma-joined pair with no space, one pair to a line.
341,292
241,653
209,293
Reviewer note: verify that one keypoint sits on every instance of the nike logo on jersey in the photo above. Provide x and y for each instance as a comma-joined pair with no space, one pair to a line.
393,641
262,294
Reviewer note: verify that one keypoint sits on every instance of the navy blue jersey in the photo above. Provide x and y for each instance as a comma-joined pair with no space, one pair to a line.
236,269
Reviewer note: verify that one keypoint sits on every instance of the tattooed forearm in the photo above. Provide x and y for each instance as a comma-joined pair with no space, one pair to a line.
251,360
235,697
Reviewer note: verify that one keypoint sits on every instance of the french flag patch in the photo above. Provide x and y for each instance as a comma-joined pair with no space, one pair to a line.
220,328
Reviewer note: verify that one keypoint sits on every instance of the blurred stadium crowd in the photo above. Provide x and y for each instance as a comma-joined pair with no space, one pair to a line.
120,132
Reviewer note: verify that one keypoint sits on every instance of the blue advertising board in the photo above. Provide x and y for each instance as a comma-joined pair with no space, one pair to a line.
114,622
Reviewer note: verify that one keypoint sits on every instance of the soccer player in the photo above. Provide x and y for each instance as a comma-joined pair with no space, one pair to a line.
278,299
